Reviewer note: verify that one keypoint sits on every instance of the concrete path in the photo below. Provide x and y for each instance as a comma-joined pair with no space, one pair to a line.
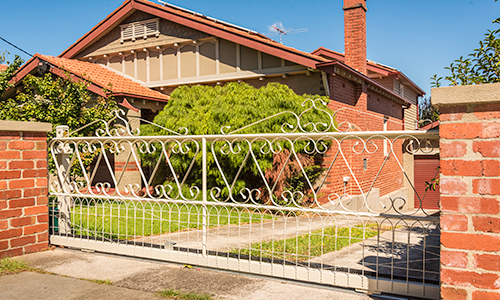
140,279
400,253
226,238
392,252
29,285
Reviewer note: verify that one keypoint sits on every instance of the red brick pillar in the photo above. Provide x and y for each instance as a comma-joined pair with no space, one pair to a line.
470,190
23,187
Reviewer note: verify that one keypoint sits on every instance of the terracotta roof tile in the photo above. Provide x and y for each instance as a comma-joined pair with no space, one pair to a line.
103,77
3,67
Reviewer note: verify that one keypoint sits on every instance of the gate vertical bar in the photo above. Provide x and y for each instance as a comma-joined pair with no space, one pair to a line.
204,191
63,202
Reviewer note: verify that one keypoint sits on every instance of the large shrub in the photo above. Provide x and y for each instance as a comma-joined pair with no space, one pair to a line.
206,110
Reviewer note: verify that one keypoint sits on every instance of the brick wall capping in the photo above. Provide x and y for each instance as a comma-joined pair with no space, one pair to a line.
467,94
25,126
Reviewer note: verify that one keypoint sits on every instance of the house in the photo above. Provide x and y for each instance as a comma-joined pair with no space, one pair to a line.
145,50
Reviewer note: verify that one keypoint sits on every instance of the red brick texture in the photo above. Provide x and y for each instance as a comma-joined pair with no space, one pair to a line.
23,193
470,201
355,34
359,109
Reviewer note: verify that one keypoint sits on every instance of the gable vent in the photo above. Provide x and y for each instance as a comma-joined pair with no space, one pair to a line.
142,29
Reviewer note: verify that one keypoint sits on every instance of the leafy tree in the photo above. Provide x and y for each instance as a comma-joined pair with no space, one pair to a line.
56,100
206,110
481,66
426,111
59,101
7,74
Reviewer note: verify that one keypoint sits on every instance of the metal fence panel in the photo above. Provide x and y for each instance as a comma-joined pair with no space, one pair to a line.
352,223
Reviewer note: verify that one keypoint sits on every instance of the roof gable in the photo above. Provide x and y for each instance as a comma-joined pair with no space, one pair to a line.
99,77
170,33
371,66
195,21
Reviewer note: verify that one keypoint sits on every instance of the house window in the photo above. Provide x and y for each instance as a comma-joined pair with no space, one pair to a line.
142,29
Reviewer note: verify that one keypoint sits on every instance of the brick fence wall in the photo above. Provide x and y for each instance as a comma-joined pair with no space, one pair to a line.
23,187
470,189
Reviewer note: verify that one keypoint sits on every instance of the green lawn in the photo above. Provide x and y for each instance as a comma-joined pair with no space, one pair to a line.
307,246
129,219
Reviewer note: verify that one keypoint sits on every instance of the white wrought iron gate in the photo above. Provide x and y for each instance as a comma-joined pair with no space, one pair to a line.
310,203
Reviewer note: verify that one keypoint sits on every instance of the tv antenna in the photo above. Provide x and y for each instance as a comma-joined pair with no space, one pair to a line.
281,32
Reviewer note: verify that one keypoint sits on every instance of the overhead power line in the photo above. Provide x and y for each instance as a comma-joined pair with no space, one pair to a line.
1,38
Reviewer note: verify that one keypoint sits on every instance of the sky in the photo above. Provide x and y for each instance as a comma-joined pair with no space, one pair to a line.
417,37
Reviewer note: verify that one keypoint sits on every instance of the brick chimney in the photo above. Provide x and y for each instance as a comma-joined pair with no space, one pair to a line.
355,34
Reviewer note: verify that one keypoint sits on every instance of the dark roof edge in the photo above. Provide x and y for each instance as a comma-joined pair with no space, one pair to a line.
235,35
385,70
330,67
55,69
113,15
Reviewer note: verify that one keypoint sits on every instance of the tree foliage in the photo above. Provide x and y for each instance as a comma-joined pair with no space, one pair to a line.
206,110
7,74
481,66
59,101
56,100
426,111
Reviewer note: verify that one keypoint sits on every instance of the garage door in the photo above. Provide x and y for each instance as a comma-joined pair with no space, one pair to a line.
425,170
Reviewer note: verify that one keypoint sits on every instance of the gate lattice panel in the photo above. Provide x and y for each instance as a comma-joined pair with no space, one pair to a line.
349,222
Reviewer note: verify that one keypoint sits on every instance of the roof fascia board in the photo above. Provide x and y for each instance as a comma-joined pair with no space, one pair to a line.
98,89
335,55
236,38
94,88
332,54
433,125
413,84
139,97
375,69
132,5
330,68
32,64
24,70
370,66
97,30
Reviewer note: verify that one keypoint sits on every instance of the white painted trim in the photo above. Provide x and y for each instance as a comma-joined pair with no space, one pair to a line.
217,58
135,64
229,76
179,62
161,63
238,58
197,55
148,69
123,63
